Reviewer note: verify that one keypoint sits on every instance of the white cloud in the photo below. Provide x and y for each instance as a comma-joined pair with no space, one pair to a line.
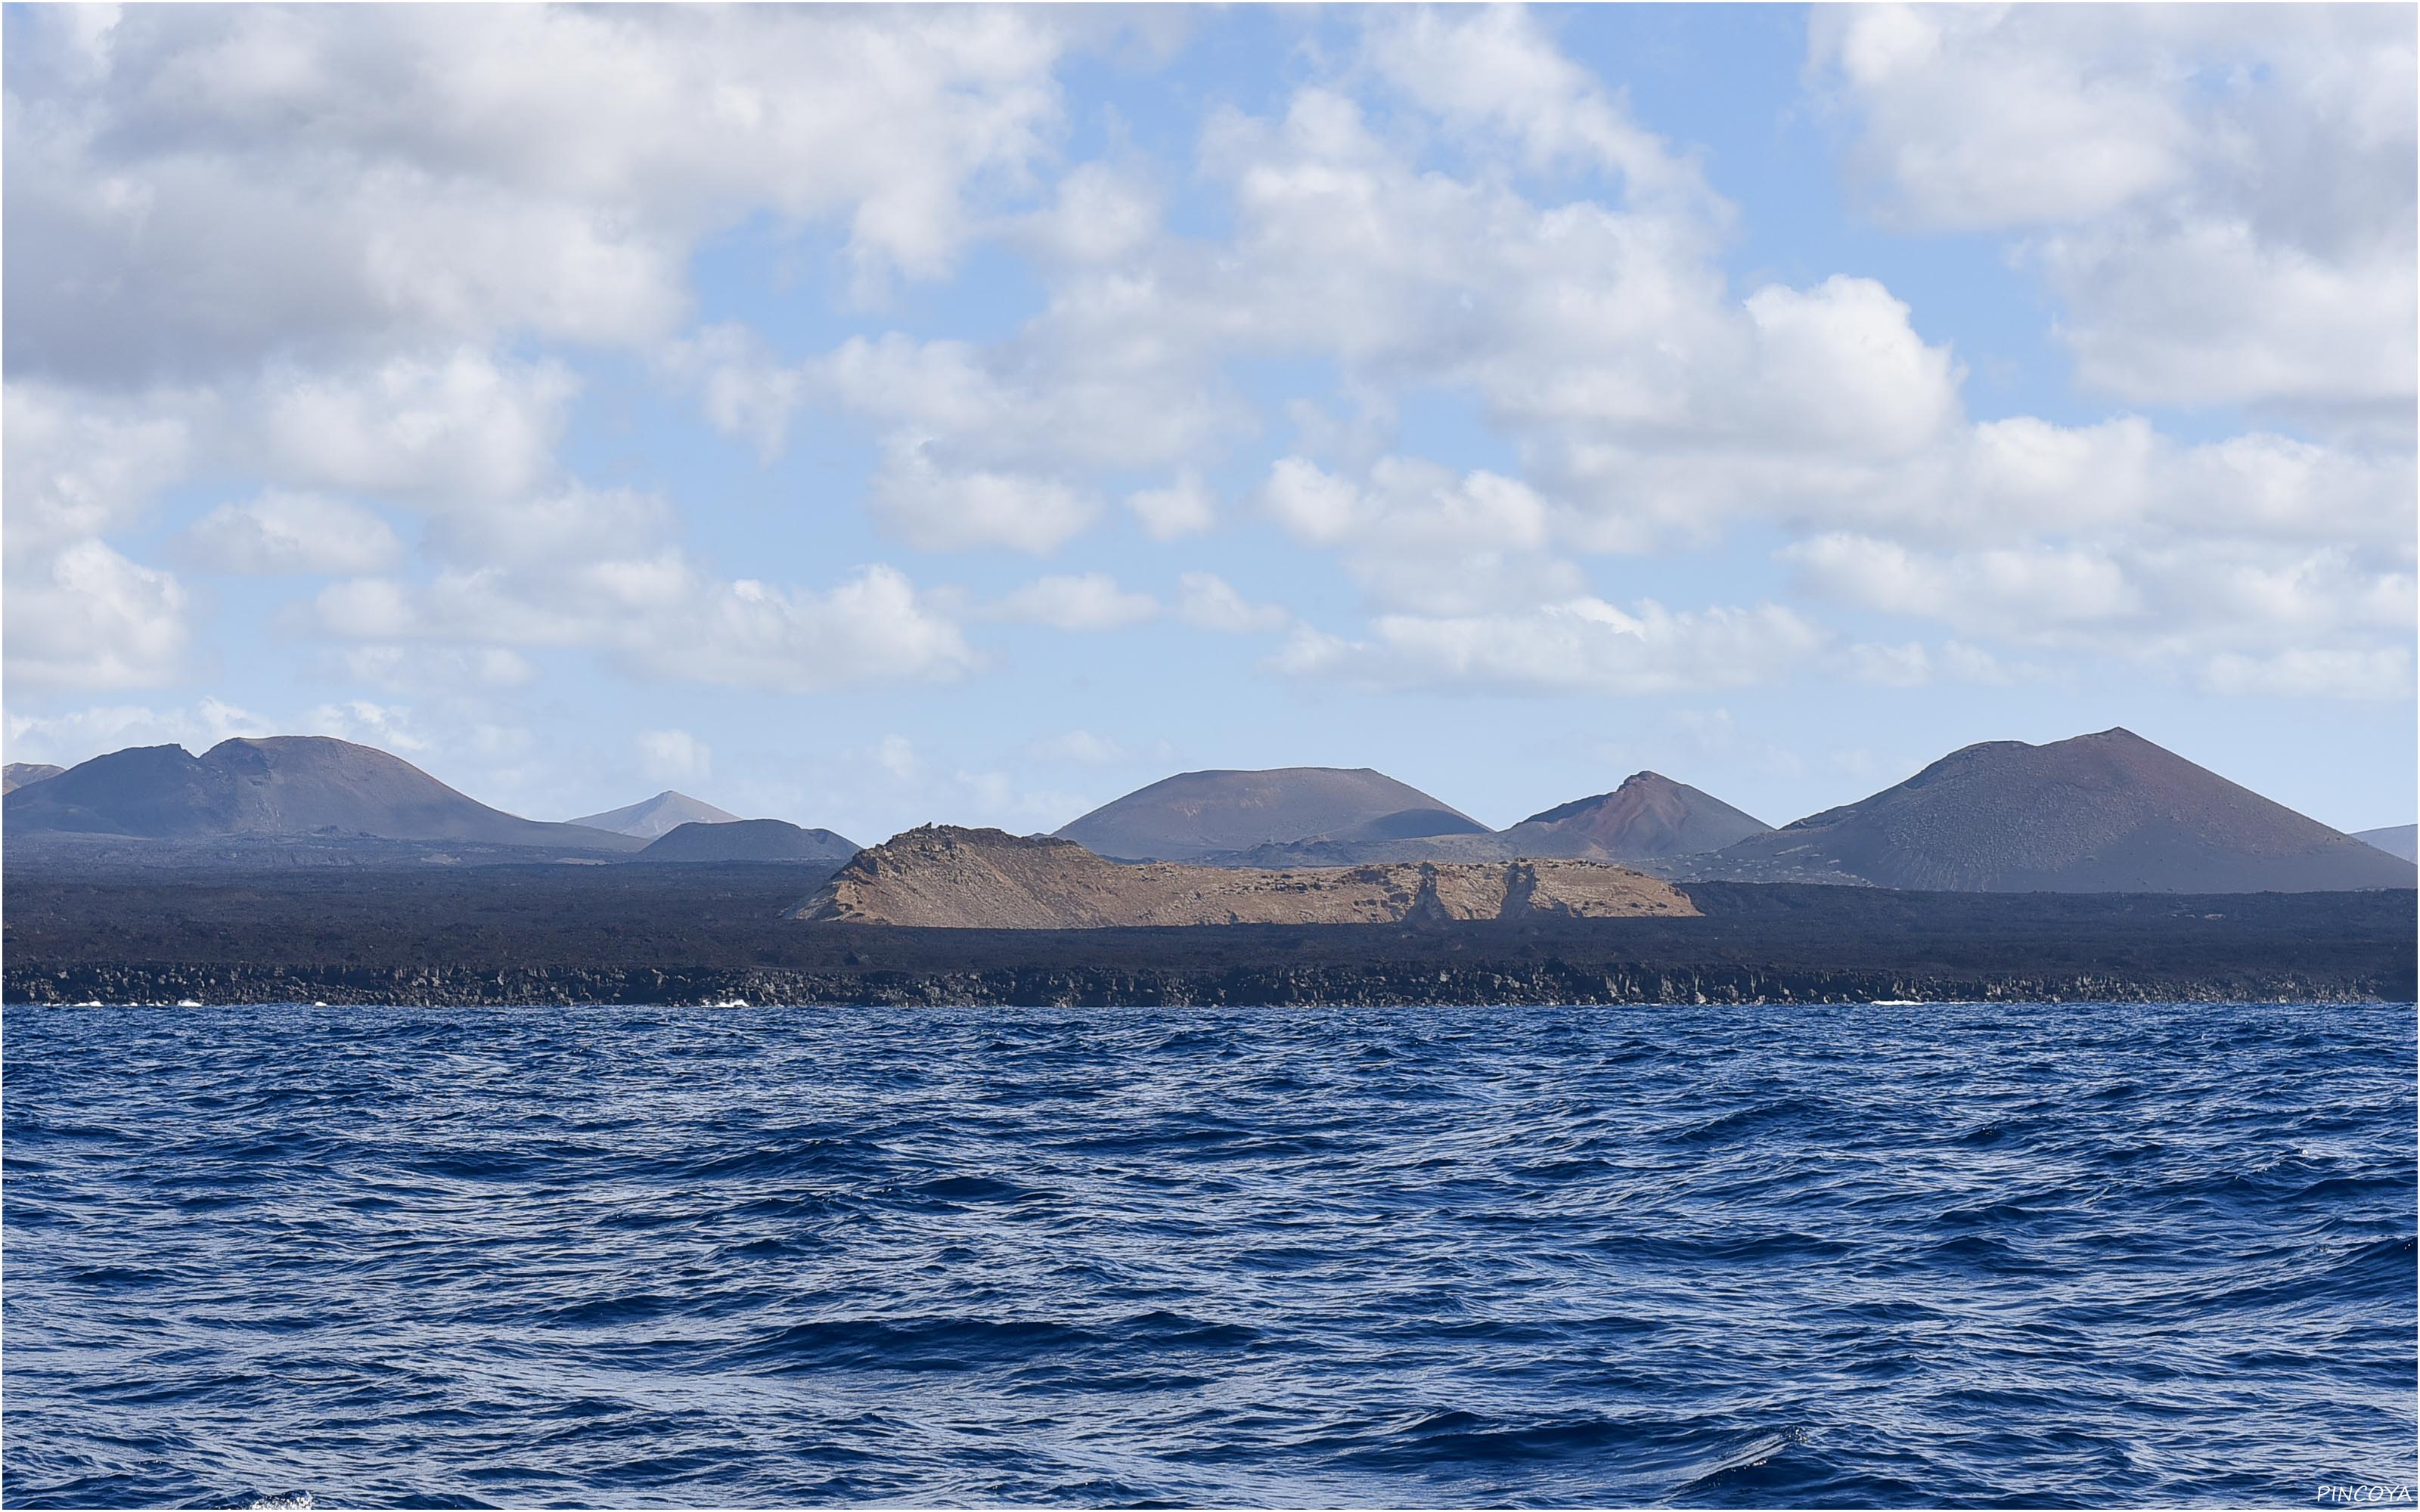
743,388
1091,601
194,191
76,469
2374,673
1208,602
937,507
288,533
426,669
1492,70
665,619
567,527
461,425
81,734
871,630
1583,645
674,756
1913,664
2237,615
91,619
1419,538
1082,748
1184,507
386,726
1456,213
896,754
2011,594
1099,214
2222,196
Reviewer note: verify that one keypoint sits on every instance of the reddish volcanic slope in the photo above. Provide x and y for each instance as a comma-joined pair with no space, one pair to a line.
1647,818
2107,813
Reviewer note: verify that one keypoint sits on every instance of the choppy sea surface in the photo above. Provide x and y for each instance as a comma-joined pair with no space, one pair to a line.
1885,1255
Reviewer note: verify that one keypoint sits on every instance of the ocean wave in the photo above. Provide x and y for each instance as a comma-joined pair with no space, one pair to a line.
2055,1255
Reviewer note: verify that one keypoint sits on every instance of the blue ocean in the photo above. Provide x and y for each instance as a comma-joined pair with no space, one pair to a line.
2038,1255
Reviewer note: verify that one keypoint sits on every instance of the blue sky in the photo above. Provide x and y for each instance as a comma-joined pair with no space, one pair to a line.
863,418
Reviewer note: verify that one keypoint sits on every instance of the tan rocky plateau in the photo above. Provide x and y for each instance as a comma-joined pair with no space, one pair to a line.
944,877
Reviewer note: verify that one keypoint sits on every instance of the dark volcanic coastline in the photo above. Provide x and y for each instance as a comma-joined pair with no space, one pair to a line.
513,934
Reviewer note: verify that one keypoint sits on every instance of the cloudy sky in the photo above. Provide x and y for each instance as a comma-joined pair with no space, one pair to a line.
862,418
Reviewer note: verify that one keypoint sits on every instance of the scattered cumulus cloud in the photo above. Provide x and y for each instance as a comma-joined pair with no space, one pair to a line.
89,618
386,328
290,532
1089,601
2221,198
1206,601
674,756
1582,646
80,734
1184,507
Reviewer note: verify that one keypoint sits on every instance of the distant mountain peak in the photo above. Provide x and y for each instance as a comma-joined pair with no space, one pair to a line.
2104,813
1194,814
749,840
25,773
653,818
297,785
2394,839
1648,817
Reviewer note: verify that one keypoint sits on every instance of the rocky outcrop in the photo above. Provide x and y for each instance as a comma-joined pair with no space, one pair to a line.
941,877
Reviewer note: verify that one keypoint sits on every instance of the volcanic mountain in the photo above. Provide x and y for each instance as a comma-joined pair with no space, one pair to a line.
660,815
25,773
298,785
2107,813
2394,839
949,878
1194,814
749,840
1648,818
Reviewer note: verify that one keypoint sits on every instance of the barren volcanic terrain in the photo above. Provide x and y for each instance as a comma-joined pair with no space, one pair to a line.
941,877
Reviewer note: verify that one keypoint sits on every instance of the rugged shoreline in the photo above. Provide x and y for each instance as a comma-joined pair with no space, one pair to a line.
1356,986
713,934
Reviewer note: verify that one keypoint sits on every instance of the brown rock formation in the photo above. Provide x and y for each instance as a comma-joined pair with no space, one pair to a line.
941,877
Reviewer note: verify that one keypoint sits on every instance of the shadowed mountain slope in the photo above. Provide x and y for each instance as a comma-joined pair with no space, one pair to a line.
297,785
749,840
1196,813
25,773
939,878
2394,839
1648,818
2107,813
660,815
1649,821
